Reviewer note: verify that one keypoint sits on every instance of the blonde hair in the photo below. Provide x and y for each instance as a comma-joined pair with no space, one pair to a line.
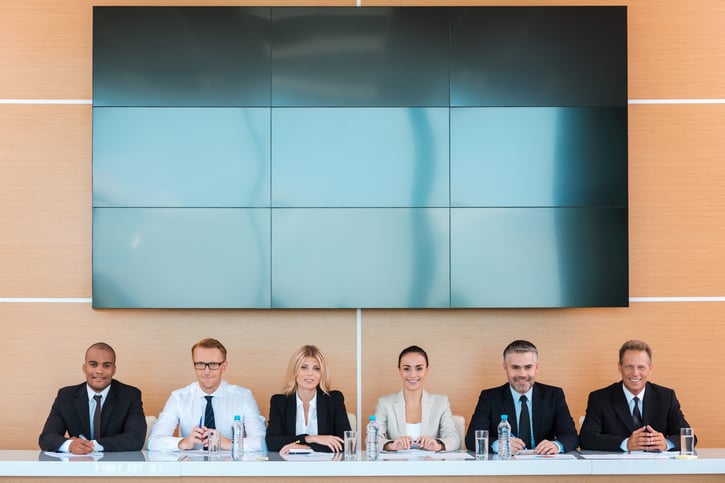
295,363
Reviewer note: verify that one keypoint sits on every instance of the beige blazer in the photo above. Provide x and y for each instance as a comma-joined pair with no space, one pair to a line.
437,420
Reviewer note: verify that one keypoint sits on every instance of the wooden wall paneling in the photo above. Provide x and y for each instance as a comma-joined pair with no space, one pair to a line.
677,200
45,200
45,344
578,350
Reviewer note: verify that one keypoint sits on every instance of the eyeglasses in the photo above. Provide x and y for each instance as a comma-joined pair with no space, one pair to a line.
214,366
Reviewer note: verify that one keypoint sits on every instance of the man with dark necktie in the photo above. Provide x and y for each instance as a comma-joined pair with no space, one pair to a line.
633,414
101,414
538,413
209,403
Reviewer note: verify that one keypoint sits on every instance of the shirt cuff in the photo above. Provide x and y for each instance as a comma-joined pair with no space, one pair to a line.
494,446
65,447
561,446
623,445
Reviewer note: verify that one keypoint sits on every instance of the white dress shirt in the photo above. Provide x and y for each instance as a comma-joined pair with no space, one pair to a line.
186,405
311,426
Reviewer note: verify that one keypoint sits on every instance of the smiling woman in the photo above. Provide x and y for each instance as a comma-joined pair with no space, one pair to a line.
308,414
400,416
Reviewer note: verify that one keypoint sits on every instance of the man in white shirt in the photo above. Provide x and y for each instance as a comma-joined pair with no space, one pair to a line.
208,403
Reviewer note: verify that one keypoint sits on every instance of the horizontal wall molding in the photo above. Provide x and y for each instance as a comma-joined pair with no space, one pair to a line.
676,101
46,101
630,101
50,300
45,300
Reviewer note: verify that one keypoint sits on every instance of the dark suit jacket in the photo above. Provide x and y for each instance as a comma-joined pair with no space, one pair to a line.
608,420
123,424
331,419
549,414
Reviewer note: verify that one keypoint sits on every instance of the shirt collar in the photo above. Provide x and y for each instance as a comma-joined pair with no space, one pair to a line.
92,393
517,395
313,402
218,393
629,395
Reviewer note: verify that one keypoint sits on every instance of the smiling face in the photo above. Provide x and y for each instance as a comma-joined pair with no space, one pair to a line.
635,367
309,374
521,369
100,366
209,379
413,370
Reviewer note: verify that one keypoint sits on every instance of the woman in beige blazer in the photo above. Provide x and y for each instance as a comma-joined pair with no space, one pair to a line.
414,418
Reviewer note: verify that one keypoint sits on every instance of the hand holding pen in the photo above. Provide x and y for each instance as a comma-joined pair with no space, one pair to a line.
197,435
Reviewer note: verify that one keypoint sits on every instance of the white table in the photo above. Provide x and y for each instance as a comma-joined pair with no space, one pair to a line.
710,466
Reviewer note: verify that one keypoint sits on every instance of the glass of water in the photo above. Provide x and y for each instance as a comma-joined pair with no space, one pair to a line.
687,442
481,444
350,445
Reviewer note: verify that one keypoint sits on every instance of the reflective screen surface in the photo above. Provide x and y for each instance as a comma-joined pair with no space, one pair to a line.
392,157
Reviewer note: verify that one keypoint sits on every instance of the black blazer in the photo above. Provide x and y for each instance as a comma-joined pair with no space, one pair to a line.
331,419
123,424
550,415
608,420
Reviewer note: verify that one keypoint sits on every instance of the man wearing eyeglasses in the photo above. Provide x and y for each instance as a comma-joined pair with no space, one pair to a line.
209,403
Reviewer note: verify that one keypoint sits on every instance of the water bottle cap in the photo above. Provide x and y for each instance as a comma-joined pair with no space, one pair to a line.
371,418
237,418
504,417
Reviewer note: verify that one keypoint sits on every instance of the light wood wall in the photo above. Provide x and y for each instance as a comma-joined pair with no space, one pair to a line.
677,247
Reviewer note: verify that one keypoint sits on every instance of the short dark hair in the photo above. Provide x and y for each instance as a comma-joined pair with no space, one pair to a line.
104,347
520,347
414,349
210,343
635,345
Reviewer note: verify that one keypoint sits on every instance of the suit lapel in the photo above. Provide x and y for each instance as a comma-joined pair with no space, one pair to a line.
322,413
107,409
621,408
80,402
507,402
291,414
399,410
425,402
650,401
537,407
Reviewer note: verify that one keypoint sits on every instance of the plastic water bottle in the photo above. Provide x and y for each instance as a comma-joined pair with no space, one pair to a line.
237,438
504,438
372,449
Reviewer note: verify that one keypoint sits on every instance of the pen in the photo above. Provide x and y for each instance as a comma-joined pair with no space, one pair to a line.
200,419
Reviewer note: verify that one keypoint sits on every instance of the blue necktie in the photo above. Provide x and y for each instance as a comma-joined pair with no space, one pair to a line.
209,414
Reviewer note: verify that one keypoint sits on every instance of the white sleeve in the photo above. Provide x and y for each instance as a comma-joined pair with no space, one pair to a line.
253,426
162,433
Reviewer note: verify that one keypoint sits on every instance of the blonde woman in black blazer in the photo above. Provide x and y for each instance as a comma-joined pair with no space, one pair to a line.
308,414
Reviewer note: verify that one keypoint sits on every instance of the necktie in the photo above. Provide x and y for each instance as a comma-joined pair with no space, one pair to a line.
209,414
525,423
97,418
636,415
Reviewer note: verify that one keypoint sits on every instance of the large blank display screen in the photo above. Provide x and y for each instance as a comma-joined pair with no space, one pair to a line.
342,157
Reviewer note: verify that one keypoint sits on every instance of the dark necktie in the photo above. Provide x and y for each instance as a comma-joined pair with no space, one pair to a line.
209,414
636,415
525,423
97,418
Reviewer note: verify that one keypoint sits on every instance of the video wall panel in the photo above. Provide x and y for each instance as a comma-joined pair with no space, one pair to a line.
326,157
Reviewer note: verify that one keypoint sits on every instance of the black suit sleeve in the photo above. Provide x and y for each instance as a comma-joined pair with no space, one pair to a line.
594,433
481,419
675,421
125,428
564,429
277,436
53,435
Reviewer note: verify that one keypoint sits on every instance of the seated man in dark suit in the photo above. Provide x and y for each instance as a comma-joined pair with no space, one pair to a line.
539,416
633,414
101,414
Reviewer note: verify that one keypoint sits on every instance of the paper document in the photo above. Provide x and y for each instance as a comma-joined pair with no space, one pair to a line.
534,456
636,455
